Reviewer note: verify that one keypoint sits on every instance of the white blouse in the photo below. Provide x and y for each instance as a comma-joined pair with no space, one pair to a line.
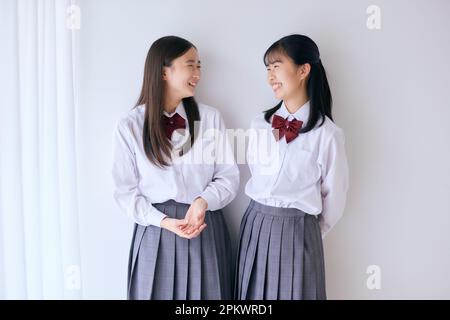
207,170
310,173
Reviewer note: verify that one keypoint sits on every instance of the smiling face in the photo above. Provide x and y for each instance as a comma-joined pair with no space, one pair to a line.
183,75
284,76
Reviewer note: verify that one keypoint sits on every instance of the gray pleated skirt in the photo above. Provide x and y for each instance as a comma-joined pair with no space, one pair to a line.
164,266
280,255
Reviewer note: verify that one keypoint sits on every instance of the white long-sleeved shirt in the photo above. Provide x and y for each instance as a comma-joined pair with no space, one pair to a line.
310,173
208,170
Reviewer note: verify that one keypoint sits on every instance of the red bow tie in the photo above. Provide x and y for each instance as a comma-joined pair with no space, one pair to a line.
283,127
173,123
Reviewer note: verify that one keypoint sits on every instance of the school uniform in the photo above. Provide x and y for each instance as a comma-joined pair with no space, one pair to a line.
298,189
163,265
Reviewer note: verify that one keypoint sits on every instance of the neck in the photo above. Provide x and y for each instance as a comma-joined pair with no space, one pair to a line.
171,104
296,102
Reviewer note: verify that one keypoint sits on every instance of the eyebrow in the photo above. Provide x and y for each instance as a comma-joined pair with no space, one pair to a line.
273,62
192,61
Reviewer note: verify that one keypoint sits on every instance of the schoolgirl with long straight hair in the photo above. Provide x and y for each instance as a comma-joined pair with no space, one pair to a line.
180,247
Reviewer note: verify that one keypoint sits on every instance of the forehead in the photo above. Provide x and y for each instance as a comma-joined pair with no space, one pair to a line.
190,56
274,56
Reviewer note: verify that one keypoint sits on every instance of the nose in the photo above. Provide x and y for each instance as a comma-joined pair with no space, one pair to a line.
196,74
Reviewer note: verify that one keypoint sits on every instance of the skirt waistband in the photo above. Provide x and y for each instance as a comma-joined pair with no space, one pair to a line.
170,207
170,203
276,211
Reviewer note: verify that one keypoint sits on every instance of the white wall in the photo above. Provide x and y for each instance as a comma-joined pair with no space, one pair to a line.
390,90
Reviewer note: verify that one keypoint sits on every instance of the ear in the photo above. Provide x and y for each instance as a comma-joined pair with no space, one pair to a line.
164,73
304,70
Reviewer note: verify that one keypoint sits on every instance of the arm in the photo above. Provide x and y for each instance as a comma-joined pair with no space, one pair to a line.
334,185
225,182
126,181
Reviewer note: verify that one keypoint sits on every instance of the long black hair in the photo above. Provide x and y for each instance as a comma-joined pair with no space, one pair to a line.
156,144
301,49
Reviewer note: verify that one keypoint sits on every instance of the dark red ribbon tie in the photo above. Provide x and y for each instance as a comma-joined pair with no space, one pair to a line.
283,127
173,123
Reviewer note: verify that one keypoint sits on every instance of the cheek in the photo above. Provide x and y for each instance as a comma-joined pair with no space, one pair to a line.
289,80
178,78
188,76
181,81
173,81
283,76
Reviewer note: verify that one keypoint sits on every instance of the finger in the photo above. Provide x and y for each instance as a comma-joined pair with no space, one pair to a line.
194,228
186,229
198,231
187,219
201,228
185,224
191,228
194,234
197,222
183,234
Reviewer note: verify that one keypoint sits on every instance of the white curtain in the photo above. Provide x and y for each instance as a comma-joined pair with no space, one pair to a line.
39,232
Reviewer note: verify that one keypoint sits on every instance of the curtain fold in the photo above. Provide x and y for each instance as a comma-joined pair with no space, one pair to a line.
39,231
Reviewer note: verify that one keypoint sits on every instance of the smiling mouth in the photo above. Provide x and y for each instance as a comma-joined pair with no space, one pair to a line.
276,86
192,84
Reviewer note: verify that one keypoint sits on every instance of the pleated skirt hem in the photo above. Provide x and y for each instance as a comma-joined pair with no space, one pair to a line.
280,255
164,266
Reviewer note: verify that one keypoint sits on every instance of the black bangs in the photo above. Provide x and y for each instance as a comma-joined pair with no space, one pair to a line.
274,54
302,49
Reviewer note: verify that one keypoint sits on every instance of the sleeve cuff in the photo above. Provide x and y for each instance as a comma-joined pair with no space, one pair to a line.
211,199
155,217
324,228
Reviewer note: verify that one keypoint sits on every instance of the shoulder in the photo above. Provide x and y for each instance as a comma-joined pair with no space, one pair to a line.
330,127
210,116
330,131
131,119
259,121
207,111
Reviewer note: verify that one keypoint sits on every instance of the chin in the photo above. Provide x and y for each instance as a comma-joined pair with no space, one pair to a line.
279,96
188,94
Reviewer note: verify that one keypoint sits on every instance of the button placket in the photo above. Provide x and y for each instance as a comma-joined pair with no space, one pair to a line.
282,155
177,166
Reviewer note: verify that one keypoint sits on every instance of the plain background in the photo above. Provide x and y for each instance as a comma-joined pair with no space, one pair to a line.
390,90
